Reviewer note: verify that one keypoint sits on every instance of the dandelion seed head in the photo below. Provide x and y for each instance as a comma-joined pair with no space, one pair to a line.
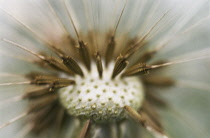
102,99
91,68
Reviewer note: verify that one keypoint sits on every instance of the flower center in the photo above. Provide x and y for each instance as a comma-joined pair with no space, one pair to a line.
102,99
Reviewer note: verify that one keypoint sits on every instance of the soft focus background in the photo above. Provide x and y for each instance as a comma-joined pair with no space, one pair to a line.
190,99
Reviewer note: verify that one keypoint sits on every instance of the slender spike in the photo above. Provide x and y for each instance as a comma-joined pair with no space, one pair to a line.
15,83
58,65
178,62
14,120
154,7
70,17
85,129
118,22
136,69
84,52
140,119
99,64
152,123
45,42
35,106
19,57
151,53
23,48
147,55
134,114
136,66
60,53
28,95
195,24
54,82
72,65
111,44
188,29
137,45
164,44
57,17
51,61
120,64
144,68
34,75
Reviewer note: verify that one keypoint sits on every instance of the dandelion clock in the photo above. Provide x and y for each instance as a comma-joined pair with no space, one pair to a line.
104,69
